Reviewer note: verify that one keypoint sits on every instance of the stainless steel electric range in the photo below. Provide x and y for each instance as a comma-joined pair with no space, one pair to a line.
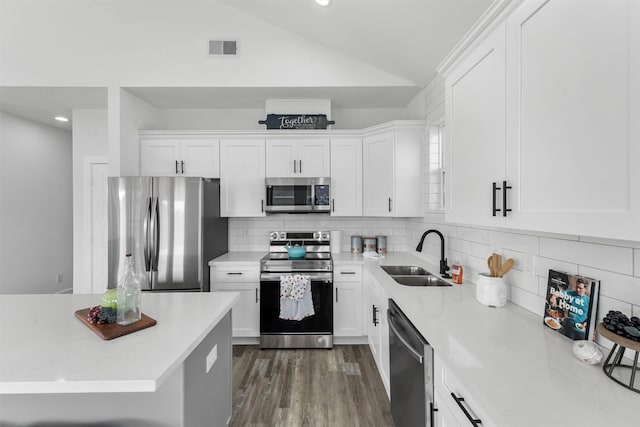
315,331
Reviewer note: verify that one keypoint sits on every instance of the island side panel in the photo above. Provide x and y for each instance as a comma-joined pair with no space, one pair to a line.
207,395
163,408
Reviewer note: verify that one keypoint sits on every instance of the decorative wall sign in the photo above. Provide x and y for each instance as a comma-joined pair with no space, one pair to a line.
296,121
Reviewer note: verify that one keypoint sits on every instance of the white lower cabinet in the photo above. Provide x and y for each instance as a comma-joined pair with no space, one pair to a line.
456,406
377,327
444,416
347,306
245,279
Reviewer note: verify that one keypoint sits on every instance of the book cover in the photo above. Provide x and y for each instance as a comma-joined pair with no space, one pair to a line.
571,305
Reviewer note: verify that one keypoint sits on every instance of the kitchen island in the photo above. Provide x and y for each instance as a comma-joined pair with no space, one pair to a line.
54,369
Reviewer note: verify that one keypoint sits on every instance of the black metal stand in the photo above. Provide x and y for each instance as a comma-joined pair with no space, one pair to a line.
620,344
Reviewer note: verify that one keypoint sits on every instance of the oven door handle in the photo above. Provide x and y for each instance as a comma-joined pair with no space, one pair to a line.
398,335
275,277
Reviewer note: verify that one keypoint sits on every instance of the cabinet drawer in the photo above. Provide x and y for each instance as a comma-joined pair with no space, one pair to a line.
347,273
234,274
457,397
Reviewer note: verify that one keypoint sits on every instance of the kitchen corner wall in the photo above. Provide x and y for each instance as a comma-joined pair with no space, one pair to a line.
615,263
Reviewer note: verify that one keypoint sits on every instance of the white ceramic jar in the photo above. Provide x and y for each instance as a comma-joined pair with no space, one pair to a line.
491,291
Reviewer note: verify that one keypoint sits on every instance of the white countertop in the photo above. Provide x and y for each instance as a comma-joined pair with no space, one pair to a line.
46,349
522,373
238,258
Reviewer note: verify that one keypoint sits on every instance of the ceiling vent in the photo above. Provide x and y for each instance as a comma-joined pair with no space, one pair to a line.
223,47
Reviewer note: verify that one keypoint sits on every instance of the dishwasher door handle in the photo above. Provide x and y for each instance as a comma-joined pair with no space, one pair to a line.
412,350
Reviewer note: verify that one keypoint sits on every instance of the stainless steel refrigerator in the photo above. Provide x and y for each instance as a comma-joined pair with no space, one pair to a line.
171,226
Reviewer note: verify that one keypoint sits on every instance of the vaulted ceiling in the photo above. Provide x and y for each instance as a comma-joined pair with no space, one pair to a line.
403,38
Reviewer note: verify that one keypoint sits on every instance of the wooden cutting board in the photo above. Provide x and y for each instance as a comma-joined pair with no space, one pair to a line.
109,331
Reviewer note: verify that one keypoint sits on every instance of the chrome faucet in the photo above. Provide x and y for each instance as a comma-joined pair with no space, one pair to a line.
443,261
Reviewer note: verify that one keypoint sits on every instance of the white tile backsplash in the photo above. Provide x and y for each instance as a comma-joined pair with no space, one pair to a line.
636,262
611,258
543,265
614,285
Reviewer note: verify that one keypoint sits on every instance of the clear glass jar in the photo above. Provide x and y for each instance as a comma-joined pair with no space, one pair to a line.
129,294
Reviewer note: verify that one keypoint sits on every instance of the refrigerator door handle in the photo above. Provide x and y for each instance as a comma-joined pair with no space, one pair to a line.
147,242
155,233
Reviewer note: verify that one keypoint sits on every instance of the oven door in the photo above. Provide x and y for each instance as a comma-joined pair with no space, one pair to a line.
320,323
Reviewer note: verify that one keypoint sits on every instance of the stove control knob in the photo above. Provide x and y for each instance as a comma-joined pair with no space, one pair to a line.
283,236
316,235
273,236
325,236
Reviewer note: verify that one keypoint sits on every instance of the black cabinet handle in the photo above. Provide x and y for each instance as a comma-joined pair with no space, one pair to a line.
347,272
495,190
176,167
474,421
504,198
257,299
389,204
294,166
374,313
262,205
336,294
300,168
182,165
234,273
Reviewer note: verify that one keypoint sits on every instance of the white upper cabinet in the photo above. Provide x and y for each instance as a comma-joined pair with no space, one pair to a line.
475,141
180,156
548,104
242,173
573,79
346,176
392,170
298,157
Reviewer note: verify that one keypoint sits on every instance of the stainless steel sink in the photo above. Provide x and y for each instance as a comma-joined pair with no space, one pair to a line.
411,275
429,280
404,270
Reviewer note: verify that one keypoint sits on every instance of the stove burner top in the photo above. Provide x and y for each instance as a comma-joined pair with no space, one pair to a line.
276,256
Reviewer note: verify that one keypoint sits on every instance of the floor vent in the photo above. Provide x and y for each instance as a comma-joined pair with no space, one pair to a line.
223,47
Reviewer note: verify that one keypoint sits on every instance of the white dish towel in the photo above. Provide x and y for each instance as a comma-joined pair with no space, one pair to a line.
295,297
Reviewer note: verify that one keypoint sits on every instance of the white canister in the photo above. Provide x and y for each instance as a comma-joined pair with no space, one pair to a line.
336,242
491,291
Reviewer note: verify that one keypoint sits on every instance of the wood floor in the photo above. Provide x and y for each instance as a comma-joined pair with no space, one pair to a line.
333,388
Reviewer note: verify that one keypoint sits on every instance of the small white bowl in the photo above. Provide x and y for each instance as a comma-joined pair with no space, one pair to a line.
587,351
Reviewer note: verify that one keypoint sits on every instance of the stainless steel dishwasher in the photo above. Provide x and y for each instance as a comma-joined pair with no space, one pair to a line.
411,368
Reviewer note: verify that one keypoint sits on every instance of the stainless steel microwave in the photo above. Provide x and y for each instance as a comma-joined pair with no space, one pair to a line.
298,195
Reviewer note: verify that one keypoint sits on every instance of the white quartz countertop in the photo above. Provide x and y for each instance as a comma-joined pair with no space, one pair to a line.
522,373
238,258
44,348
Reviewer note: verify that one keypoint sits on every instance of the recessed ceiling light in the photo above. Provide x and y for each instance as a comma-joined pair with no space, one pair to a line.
323,2
61,118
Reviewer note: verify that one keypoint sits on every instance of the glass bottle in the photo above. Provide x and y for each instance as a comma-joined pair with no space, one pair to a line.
129,294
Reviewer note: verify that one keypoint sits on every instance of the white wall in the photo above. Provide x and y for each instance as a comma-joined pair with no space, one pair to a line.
89,134
615,263
35,207
135,114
